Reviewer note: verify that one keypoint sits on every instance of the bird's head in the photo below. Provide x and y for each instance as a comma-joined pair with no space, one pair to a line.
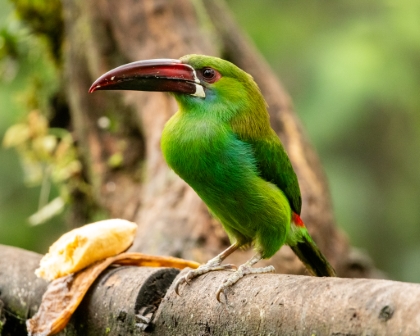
202,84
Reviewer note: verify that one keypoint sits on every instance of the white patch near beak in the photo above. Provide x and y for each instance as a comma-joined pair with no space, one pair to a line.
199,91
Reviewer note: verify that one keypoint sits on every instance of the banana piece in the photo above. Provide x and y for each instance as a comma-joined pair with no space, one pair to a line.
83,246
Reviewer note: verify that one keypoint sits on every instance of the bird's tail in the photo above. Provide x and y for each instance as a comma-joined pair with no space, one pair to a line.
307,251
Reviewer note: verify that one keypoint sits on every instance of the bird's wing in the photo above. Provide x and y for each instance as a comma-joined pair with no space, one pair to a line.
274,166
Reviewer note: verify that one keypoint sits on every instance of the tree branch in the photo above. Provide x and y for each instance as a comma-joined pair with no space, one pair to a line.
260,304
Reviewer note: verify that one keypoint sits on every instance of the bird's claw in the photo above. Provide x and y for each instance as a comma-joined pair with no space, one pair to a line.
177,286
185,279
180,282
200,271
221,290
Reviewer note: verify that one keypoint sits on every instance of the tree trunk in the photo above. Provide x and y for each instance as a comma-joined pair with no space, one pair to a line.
103,34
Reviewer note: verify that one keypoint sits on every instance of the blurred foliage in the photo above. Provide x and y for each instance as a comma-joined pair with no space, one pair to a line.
44,18
352,68
48,155
353,71
28,80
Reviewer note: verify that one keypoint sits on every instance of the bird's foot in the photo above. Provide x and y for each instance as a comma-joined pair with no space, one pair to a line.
243,270
212,265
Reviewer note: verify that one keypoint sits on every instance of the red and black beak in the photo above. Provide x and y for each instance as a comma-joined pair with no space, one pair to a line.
165,75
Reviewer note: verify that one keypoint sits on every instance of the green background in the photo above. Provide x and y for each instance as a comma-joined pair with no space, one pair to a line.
353,70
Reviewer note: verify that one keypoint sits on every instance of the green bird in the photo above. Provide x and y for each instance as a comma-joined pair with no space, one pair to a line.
221,143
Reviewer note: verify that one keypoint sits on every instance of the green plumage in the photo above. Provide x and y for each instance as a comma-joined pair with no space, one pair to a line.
224,172
224,148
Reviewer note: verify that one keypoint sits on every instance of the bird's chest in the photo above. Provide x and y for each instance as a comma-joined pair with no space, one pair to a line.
203,152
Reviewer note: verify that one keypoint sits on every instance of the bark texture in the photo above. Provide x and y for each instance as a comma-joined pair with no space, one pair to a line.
273,304
122,301
266,304
102,34
20,290
2,317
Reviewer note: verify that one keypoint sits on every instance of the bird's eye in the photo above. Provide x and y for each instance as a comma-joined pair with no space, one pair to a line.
209,75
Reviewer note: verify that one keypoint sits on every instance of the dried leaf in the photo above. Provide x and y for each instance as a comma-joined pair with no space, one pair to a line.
64,295
145,260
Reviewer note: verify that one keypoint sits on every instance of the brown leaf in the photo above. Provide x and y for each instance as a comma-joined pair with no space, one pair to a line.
64,295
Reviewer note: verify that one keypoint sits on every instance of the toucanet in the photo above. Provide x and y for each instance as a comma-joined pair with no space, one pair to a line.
221,143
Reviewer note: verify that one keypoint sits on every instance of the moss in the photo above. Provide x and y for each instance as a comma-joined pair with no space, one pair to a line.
44,18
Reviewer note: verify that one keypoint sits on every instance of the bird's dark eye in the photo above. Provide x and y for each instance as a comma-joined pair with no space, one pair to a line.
209,75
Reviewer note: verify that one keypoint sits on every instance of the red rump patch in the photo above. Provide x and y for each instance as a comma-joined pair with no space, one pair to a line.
297,220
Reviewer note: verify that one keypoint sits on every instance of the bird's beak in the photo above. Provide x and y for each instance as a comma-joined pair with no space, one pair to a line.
165,75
